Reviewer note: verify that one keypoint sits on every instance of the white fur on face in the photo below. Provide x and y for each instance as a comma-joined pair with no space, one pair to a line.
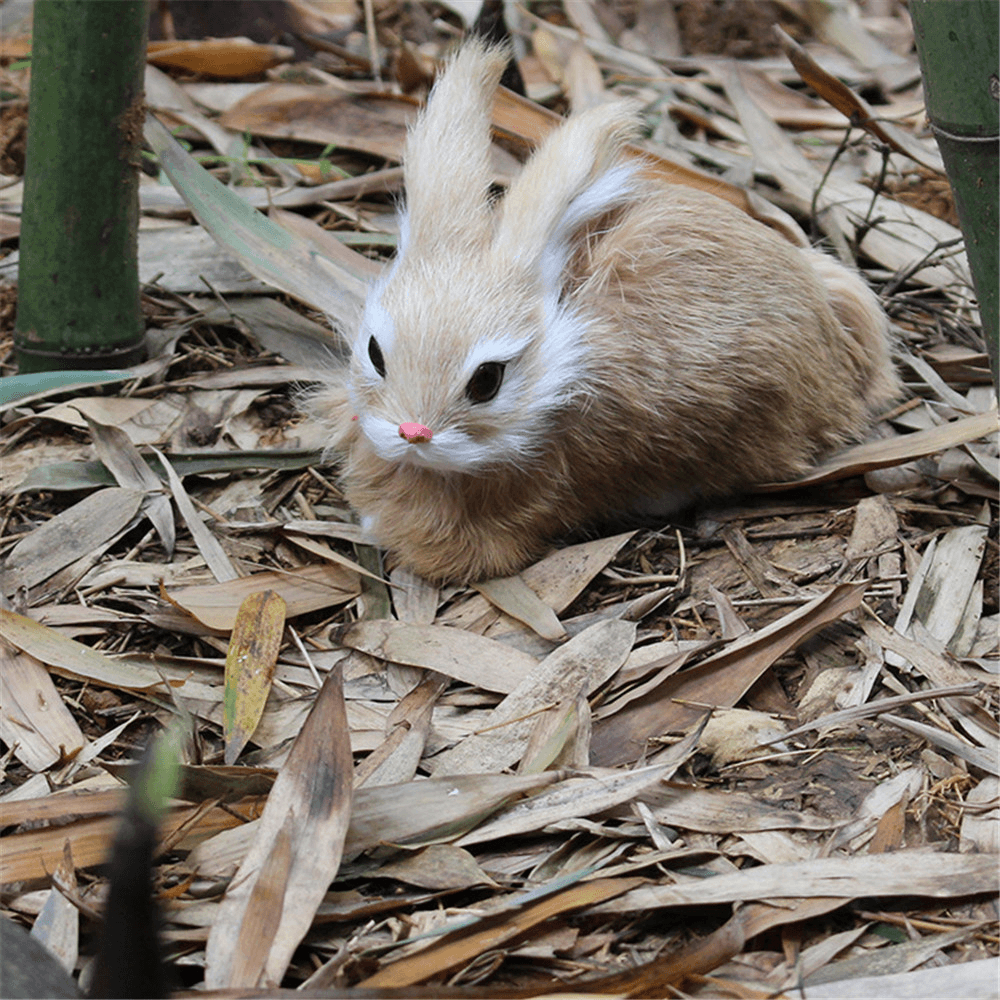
449,450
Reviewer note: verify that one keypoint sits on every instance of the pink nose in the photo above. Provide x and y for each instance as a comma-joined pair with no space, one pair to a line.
415,433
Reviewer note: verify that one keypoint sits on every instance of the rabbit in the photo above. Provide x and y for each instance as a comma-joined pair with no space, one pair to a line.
596,345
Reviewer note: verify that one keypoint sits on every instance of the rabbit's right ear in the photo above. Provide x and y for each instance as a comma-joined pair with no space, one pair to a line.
575,176
446,163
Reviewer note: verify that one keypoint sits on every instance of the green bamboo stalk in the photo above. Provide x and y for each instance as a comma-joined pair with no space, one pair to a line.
78,299
957,43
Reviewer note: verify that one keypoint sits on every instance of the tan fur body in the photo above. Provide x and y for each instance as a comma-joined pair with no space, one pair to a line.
702,352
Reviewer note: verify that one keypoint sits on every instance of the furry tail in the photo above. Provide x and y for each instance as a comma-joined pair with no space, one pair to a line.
860,313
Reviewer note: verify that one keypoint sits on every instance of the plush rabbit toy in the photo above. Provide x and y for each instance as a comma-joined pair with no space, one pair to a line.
596,346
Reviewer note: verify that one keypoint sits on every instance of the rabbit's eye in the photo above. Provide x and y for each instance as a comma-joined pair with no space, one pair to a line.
485,382
375,354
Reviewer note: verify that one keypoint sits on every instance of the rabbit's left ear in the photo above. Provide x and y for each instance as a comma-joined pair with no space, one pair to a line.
446,163
574,177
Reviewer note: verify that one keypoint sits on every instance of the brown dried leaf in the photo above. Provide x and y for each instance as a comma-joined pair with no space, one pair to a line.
222,57
456,653
719,681
580,666
855,107
515,598
374,124
304,589
466,943
310,806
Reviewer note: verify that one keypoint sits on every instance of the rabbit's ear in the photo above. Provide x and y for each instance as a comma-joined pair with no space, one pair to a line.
575,176
446,161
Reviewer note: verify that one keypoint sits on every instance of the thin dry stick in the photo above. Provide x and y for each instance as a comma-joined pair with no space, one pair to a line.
372,40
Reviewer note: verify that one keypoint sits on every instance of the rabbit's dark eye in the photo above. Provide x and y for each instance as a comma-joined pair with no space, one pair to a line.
375,354
485,382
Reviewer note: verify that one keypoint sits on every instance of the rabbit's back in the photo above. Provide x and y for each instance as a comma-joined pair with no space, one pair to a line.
715,355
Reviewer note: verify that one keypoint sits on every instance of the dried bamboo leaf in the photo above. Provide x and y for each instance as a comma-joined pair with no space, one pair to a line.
307,588
558,579
250,662
515,598
396,760
34,854
584,796
456,653
581,665
208,545
62,805
70,535
411,814
264,906
710,811
118,454
414,599
719,681
885,795
980,830
904,235
324,551
35,722
977,756
848,716
437,866
465,944
226,57
895,451
855,107
58,923
310,804
939,594
67,656
960,981
937,875
885,961
661,976
553,730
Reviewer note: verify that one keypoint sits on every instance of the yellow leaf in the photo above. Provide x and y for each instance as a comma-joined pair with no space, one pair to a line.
250,661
